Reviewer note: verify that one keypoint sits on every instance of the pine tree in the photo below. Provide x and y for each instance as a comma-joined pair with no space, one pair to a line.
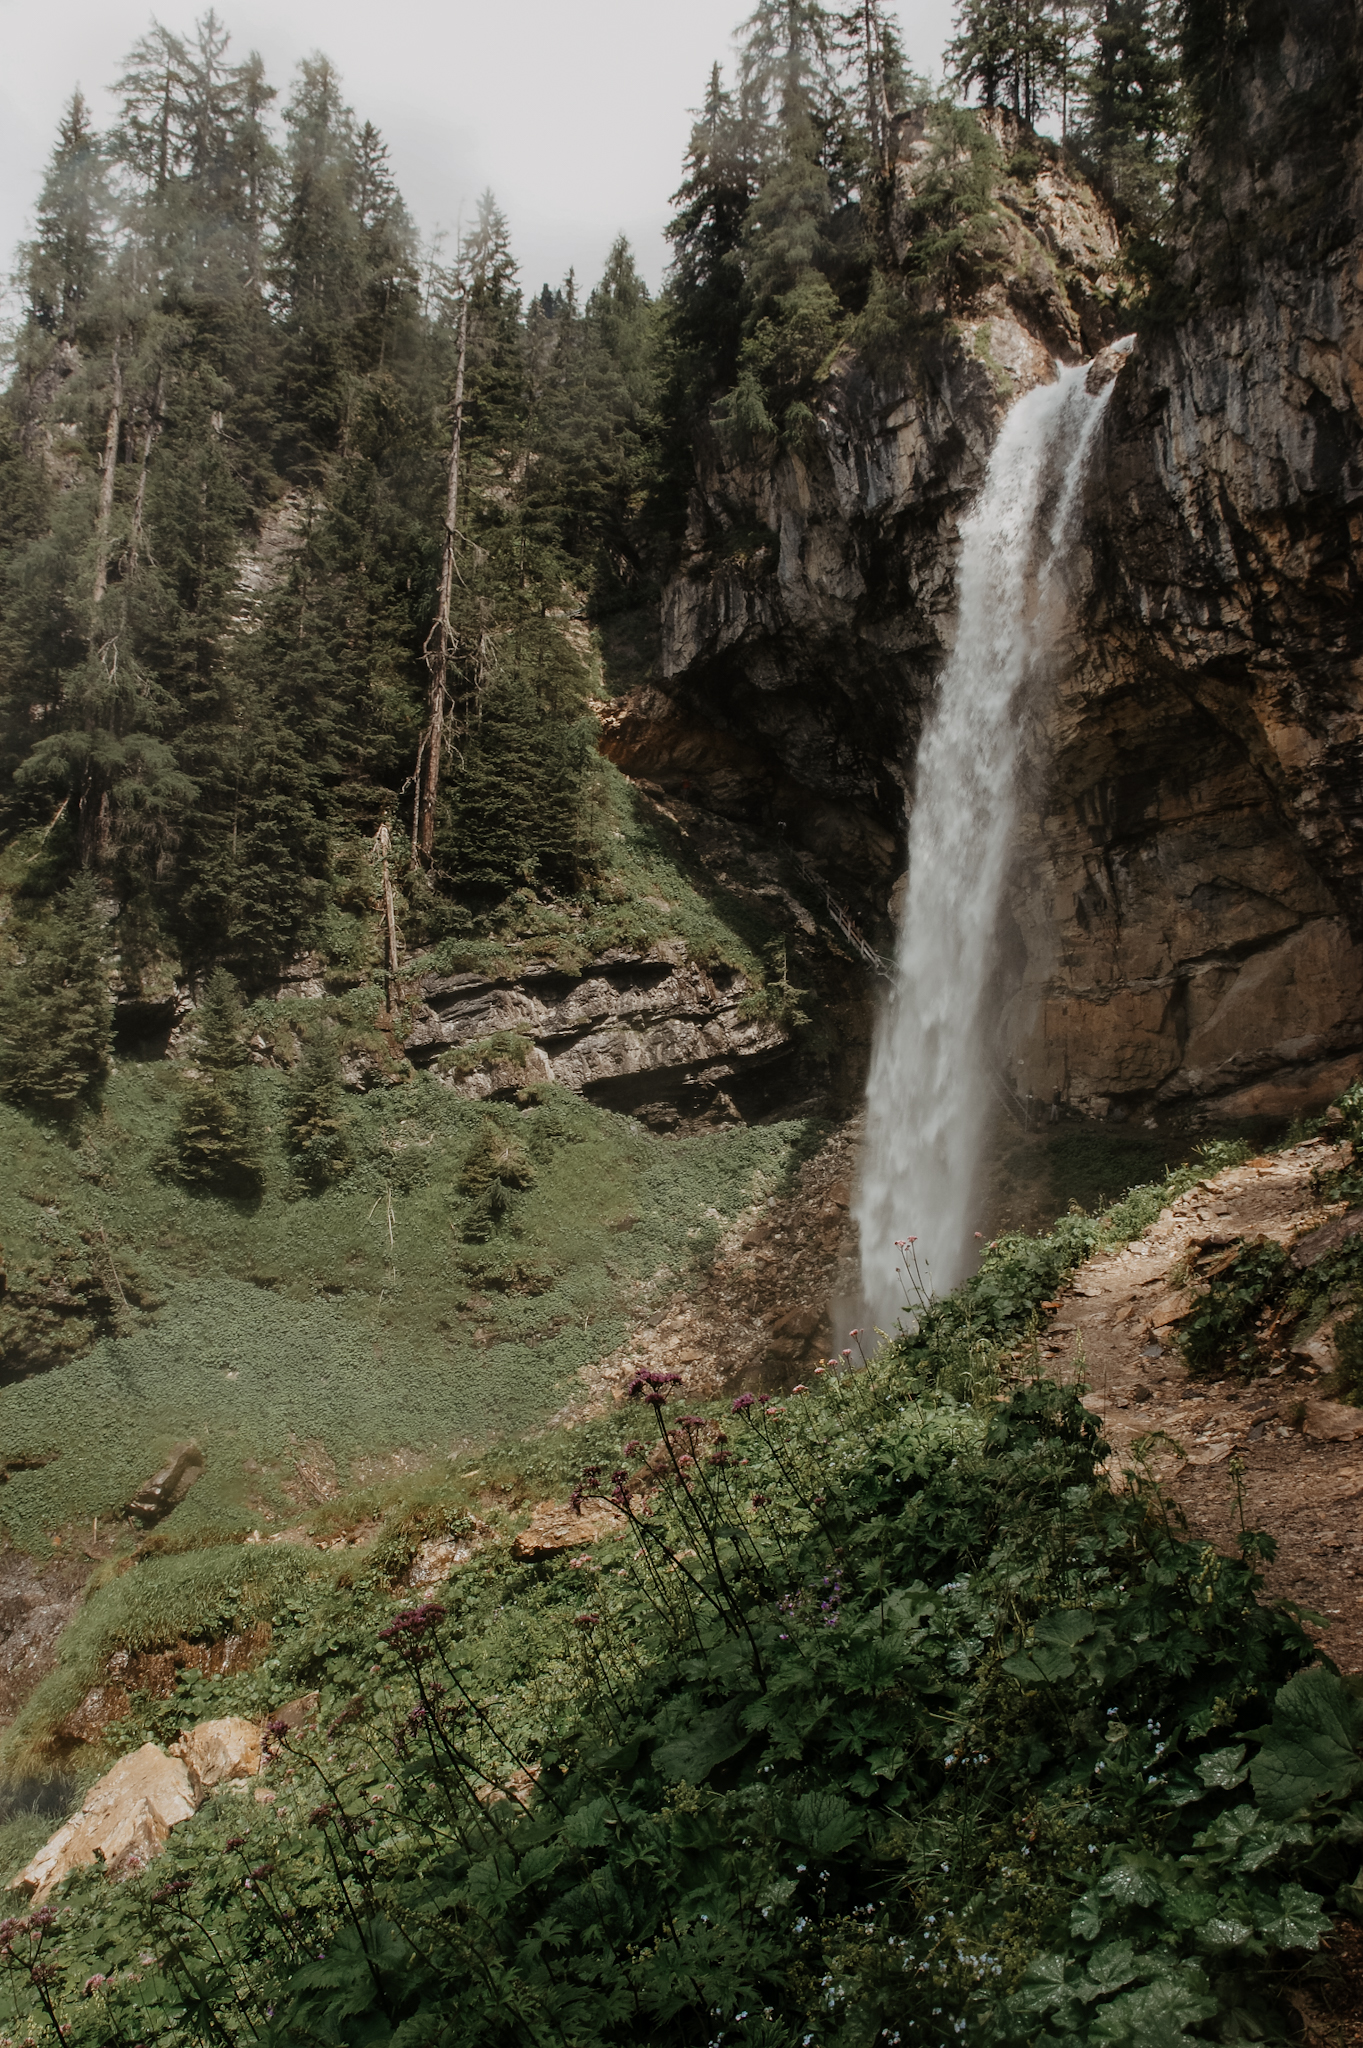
1014,52
63,263
217,1137
318,1130
1130,111
56,1020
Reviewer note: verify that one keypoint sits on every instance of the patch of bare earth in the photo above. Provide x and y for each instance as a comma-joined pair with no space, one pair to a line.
1302,1454
758,1315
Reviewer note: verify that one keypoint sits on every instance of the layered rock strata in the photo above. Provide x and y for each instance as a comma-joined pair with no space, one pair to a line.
653,1034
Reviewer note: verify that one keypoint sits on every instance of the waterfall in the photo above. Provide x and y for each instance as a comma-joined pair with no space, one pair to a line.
930,1093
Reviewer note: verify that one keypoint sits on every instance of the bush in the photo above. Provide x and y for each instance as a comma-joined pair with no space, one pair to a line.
885,1714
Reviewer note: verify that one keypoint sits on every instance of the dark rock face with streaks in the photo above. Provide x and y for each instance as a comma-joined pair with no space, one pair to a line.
1200,846
1181,935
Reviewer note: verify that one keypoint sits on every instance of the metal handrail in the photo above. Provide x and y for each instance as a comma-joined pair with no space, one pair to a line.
843,919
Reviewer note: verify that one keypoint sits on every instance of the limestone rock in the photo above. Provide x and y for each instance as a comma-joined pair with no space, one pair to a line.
214,1751
553,1529
632,1029
437,1557
168,1487
1333,1420
124,1821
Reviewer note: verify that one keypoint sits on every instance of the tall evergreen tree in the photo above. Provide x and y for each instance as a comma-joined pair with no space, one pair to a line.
61,266
56,1020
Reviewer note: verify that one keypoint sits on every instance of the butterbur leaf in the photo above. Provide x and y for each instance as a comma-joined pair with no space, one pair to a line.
1050,1654
1109,1968
1221,1770
715,1737
822,1823
1311,1749
1155,2015
1298,1921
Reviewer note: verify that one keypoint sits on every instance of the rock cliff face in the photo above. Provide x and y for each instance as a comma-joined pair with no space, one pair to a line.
1182,924
1187,902
653,1035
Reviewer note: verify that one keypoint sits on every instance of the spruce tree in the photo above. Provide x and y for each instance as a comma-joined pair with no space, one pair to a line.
56,1019
217,1138
318,1130
61,266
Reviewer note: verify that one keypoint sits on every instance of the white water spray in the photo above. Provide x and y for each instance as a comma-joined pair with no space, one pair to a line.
930,1094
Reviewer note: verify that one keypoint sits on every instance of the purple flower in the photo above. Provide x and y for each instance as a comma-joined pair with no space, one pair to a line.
741,1405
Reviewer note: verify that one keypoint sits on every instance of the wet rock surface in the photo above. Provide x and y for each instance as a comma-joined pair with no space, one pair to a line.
1181,934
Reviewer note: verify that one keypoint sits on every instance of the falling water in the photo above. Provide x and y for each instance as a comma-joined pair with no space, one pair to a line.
930,1093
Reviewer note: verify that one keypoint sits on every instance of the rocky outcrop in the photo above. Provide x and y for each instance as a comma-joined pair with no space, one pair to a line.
1187,912
130,1811
123,1824
1181,936
653,1033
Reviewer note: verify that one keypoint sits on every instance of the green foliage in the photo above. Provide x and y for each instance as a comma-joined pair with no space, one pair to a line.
57,1022
349,1322
885,1712
496,1167
952,208
1220,1334
317,1126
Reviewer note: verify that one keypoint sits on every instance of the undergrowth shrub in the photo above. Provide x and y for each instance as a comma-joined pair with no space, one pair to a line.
885,1715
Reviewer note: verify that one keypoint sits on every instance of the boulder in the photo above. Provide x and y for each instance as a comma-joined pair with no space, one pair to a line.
168,1487
1333,1421
215,1751
553,1529
124,1821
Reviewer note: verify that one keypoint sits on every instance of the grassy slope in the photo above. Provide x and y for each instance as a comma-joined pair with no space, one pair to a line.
357,1322
304,1322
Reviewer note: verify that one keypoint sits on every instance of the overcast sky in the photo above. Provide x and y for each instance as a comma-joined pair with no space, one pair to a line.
575,112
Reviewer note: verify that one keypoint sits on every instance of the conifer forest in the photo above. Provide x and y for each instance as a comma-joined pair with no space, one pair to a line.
681,1061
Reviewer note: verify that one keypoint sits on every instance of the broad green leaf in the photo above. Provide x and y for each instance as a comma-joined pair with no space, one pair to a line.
1109,1968
1220,1932
1298,1922
691,1757
1311,1749
1128,1885
1156,2015
1222,1769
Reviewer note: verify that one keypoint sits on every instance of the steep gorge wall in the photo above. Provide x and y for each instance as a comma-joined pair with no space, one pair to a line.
1188,901
1182,927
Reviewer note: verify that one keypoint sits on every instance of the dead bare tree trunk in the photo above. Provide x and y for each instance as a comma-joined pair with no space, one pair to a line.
383,846
439,640
106,483
149,439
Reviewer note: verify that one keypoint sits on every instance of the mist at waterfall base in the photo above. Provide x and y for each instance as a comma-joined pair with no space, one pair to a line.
930,1095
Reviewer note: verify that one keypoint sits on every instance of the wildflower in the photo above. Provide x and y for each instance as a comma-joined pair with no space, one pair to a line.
799,1390
411,1625
234,1842
585,1621
759,1500
319,1816
741,1405
632,1448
